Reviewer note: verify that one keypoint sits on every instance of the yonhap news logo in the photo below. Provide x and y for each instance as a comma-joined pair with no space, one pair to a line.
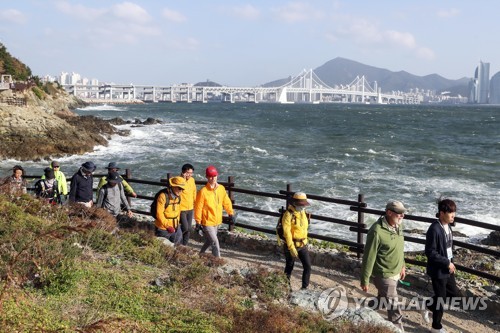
333,302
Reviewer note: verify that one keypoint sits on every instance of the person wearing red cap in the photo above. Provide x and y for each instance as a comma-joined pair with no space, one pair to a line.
210,201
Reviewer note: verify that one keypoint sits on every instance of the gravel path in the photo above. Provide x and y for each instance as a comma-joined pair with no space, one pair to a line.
323,278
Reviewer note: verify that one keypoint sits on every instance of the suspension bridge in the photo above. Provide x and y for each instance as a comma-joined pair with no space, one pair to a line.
306,87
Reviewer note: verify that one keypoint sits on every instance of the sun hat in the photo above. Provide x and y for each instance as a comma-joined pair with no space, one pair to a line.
113,165
396,207
89,166
300,199
177,182
114,178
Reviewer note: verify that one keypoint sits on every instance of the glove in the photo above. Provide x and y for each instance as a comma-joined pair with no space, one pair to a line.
170,230
198,229
294,252
233,219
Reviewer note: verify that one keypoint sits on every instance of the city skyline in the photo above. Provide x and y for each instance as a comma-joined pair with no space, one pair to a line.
246,43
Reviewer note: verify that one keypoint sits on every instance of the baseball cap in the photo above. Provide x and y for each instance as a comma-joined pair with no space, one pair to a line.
396,206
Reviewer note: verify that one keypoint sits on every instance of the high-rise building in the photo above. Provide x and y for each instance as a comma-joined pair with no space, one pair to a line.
495,89
480,84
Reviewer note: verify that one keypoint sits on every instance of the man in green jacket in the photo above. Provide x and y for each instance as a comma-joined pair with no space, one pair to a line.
383,258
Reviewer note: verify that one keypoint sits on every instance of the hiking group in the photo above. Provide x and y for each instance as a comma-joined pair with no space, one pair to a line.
175,206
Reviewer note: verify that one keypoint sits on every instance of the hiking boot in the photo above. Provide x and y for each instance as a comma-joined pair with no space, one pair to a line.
425,316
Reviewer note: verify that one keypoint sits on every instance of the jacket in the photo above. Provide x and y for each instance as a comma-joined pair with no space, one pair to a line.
111,198
295,226
169,216
104,180
61,181
188,196
209,203
383,253
435,250
81,187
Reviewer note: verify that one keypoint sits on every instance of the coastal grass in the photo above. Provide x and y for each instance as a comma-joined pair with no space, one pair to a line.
69,269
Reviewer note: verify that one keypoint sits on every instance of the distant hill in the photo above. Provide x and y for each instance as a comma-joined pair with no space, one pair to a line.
341,71
207,83
10,65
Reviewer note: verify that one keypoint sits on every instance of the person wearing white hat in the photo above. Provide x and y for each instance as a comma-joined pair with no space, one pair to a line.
295,225
383,259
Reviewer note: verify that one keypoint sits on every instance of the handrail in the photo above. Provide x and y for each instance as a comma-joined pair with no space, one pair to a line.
359,227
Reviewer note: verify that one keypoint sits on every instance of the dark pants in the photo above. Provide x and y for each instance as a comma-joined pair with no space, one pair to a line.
443,290
174,237
304,259
186,221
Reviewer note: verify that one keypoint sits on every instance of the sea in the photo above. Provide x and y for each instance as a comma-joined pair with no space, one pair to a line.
412,153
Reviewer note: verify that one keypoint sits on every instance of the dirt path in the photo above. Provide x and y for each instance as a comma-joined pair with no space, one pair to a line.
322,278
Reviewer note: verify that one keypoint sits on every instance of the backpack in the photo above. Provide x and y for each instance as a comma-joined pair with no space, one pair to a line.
42,191
152,208
279,225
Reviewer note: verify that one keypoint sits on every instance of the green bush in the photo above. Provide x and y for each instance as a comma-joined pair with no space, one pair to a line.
38,92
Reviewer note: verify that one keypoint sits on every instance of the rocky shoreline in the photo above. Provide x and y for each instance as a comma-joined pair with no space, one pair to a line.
46,127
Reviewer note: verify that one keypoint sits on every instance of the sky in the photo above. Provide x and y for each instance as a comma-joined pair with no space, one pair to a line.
247,43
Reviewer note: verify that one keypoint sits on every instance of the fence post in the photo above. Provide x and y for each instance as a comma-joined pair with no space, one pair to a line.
361,221
288,197
128,175
230,180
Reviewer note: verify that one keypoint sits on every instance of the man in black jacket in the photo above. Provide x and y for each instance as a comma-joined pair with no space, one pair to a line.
81,185
440,267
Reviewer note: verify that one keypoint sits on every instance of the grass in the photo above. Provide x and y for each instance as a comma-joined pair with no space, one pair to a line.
66,269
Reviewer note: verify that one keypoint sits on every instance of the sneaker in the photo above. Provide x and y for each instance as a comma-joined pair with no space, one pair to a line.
425,316
438,330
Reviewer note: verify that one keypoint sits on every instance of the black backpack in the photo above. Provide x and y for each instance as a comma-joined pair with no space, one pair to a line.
279,225
43,191
152,208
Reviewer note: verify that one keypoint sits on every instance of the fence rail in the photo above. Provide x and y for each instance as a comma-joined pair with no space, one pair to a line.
359,227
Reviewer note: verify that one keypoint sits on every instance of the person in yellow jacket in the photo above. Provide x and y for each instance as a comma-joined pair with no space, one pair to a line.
168,215
295,224
188,197
208,210
62,184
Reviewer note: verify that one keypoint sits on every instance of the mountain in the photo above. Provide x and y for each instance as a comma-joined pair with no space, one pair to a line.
341,71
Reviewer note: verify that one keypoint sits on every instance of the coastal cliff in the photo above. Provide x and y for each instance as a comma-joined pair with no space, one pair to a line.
42,125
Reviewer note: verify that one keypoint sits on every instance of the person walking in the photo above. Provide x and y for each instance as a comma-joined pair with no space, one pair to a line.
47,187
62,184
295,226
210,201
440,267
167,217
111,196
113,167
81,185
188,197
383,259
15,184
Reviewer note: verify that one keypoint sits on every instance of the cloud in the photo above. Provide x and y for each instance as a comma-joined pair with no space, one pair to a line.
12,16
401,38
79,11
297,12
130,12
425,53
452,12
173,16
247,12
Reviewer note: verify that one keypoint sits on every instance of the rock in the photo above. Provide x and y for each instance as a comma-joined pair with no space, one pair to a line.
493,239
305,298
369,316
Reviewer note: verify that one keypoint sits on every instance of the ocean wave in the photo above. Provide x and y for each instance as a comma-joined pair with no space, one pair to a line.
104,107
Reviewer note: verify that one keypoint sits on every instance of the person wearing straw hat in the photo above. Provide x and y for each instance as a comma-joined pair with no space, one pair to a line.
295,226
167,219
383,259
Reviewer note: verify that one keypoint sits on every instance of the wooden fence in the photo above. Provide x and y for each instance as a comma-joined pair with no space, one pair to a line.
359,227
